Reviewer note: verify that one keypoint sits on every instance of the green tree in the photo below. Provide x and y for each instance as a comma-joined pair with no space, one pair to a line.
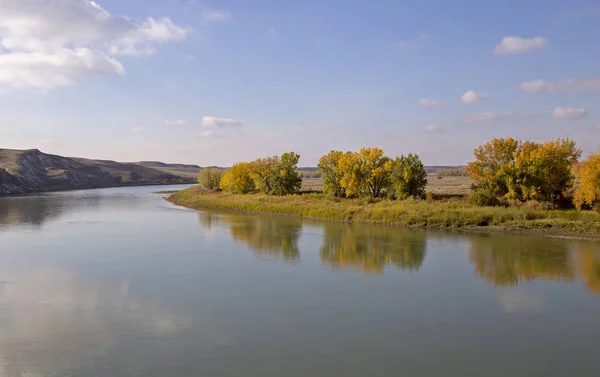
210,178
329,167
262,173
408,177
287,179
237,179
277,175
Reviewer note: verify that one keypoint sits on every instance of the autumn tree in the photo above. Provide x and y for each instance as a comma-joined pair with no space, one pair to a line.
329,167
524,170
277,175
587,184
261,171
366,173
210,178
408,177
237,179
493,165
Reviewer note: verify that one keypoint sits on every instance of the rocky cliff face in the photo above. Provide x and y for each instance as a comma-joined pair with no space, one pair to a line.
34,171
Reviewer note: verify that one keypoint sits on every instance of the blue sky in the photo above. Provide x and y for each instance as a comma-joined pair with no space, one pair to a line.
217,82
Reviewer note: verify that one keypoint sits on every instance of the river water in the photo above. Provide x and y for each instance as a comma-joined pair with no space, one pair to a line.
118,282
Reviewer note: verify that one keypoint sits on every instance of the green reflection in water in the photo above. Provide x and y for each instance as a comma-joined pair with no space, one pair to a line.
510,260
270,237
371,248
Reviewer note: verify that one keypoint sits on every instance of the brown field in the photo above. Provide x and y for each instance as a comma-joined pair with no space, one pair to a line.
444,186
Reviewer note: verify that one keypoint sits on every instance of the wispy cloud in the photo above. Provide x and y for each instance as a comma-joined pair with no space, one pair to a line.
473,97
517,45
422,39
488,116
578,14
174,123
212,121
426,102
208,134
215,15
567,86
49,142
569,113
137,129
433,128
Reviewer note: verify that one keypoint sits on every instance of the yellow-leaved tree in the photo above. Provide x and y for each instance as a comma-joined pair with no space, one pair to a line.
237,179
366,173
329,167
524,170
587,182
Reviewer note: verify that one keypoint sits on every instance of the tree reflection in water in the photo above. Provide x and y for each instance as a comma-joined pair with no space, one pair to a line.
371,248
587,257
510,260
269,237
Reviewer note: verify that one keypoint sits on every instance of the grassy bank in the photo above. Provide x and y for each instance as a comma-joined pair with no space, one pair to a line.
422,214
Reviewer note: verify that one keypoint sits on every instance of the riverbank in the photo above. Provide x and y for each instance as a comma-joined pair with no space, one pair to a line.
407,213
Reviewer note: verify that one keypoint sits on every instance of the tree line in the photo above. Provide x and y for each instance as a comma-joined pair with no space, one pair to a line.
504,170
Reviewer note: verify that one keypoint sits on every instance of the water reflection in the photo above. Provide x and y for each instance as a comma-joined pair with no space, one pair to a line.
510,260
52,320
31,210
371,248
269,237
587,257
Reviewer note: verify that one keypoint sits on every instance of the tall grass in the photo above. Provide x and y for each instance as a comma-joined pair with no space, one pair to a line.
424,214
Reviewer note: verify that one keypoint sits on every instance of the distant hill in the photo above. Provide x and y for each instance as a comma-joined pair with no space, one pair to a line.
24,171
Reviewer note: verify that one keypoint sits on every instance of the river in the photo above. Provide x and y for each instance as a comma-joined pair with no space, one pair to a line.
118,282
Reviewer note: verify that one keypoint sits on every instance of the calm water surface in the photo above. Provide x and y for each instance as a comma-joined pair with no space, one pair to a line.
118,282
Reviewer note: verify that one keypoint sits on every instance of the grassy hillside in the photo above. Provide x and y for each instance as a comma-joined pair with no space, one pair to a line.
23,171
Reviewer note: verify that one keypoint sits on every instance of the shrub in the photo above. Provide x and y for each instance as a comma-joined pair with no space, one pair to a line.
483,199
430,196
209,178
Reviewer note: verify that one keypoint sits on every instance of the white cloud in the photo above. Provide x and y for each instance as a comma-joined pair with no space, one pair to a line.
473,97
487,116
432,128
566,86
569,113
211,121
425,102
518,45
137,129
174,123
45,44
141,40
215,15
